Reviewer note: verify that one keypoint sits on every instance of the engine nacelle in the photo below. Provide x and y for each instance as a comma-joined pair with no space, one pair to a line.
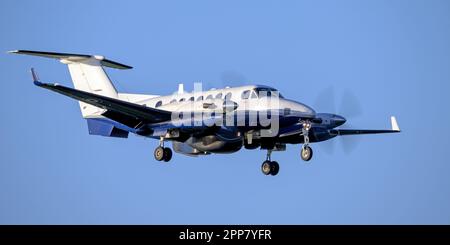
186,149
329,120
211,143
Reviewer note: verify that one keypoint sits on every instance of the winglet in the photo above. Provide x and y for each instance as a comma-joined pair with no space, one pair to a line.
34,75
35,78
394,124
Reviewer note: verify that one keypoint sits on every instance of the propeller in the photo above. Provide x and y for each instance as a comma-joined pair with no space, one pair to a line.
349,107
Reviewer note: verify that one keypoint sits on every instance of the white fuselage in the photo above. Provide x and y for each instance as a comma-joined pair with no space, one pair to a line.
248,98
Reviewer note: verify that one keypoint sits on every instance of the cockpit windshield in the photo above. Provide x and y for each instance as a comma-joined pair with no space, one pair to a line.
263,92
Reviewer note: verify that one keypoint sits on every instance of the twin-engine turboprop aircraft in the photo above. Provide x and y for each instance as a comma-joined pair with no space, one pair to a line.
199,122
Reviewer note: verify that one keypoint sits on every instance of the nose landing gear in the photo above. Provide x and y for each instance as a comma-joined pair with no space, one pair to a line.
306,152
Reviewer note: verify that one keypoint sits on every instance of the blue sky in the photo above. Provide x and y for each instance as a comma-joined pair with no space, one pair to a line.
394,56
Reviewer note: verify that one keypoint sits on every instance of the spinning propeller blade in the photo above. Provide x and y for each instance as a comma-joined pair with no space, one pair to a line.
349,108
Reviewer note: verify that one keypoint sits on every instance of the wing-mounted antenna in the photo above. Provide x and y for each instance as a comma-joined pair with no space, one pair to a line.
180,88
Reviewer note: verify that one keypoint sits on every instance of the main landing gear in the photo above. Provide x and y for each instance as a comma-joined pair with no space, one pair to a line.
306,152
162,153
270,167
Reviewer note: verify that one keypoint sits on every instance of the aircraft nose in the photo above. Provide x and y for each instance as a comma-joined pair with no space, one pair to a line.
339,120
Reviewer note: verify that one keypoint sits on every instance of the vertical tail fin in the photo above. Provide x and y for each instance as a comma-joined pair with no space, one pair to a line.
87,74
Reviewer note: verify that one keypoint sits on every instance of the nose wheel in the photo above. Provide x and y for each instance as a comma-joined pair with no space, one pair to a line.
270,167
306,153
162,153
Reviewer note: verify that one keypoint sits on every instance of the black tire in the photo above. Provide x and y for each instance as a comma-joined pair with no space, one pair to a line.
306,153
274,168
159,153
266,167
167,154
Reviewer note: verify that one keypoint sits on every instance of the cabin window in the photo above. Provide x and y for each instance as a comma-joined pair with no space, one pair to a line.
209,97
182,99
254,95
200,98
287,111
245,94
191,99
158,104
219,96
228,96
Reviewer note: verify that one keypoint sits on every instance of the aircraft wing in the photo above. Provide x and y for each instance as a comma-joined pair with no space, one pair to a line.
115,108
394,129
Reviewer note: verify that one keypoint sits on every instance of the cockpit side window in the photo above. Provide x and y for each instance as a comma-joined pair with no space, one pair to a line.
209,97
200,98
269,92
219,96
245,94
254,95
228,96
158,104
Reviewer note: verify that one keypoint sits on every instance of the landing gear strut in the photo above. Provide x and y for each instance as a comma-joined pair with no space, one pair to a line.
162,153
270,167
306,152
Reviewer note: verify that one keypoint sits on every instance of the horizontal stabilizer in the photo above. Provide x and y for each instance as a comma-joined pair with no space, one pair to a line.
73,57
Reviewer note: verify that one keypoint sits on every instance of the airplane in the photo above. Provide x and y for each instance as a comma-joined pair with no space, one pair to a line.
199,122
